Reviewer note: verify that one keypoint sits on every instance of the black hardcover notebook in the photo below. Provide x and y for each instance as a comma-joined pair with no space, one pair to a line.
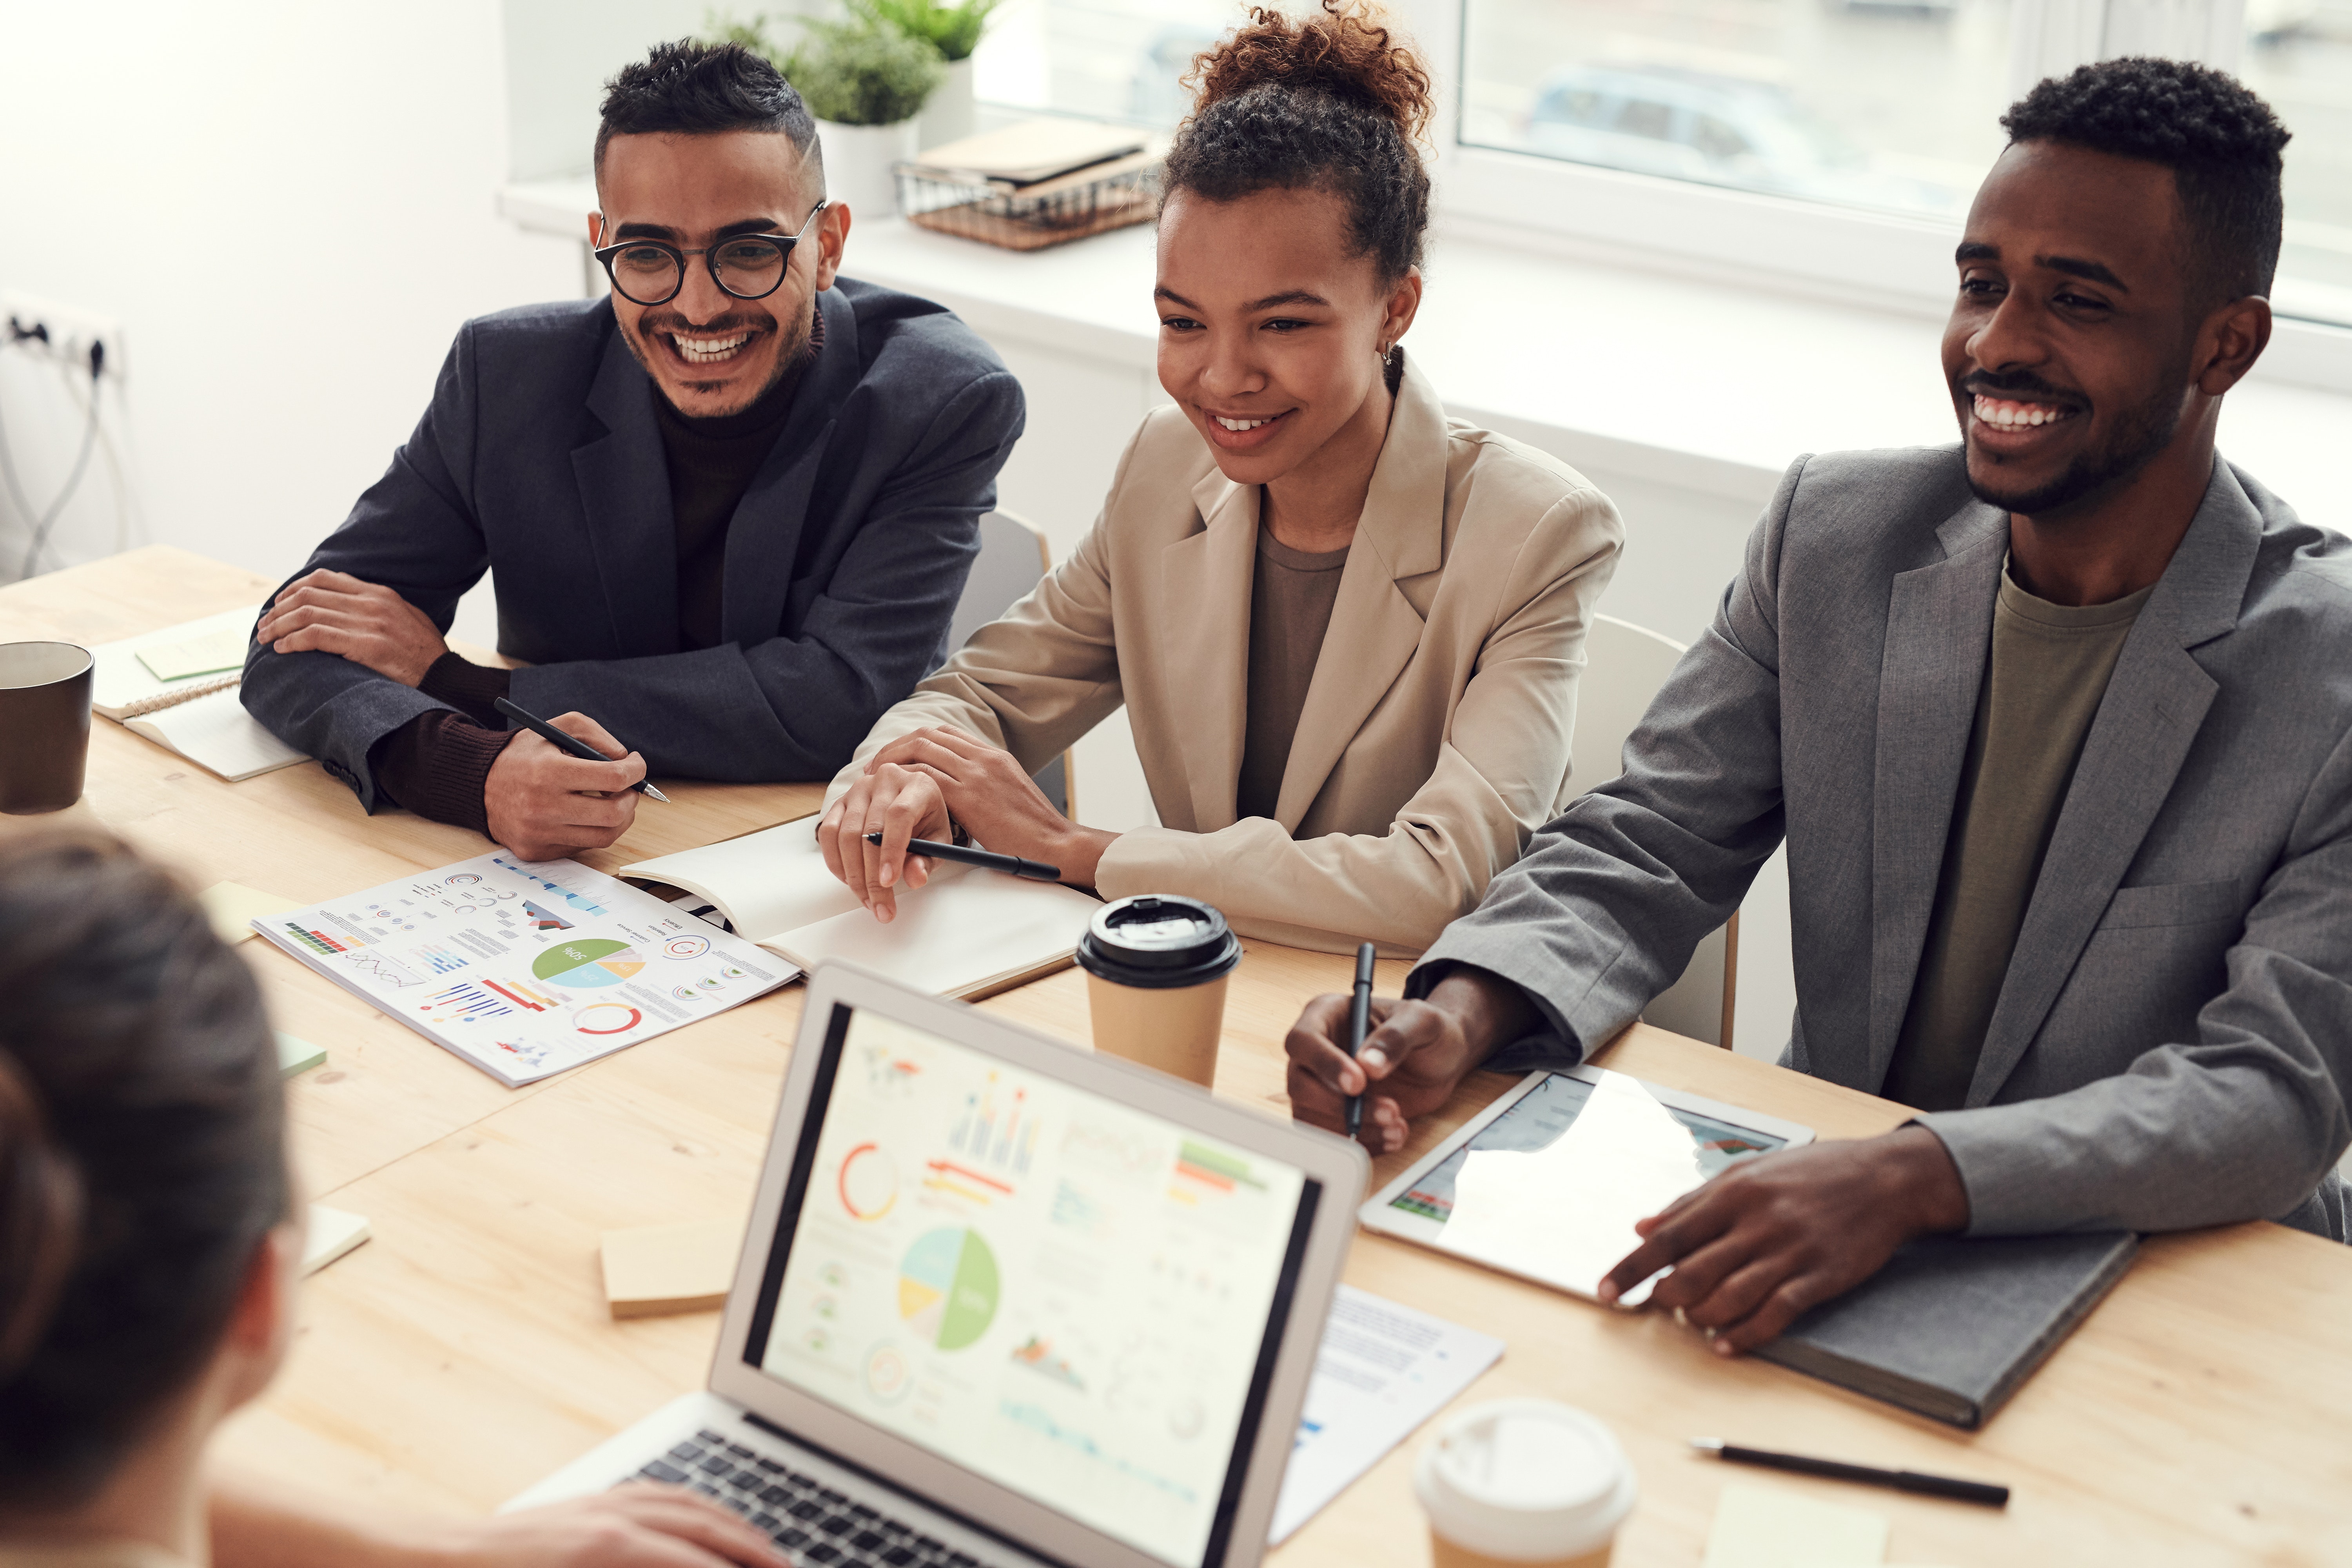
1951,1327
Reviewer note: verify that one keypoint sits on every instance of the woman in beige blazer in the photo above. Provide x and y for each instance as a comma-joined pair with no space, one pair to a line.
1347,629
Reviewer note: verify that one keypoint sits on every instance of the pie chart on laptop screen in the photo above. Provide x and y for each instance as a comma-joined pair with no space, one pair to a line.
947,1287
597,960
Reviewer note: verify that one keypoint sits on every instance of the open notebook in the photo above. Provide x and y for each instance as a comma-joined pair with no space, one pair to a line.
967,933
177,686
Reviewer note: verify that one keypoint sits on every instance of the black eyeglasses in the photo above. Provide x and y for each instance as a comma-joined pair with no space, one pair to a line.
746,266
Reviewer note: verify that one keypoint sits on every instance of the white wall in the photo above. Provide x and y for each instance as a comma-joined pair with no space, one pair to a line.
288,208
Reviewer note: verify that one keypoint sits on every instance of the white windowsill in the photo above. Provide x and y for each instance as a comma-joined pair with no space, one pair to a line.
1677,380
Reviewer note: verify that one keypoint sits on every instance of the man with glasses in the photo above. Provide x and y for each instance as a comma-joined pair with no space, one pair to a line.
728,510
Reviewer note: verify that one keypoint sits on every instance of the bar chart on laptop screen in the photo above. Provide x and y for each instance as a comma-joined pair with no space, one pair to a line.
1036,1284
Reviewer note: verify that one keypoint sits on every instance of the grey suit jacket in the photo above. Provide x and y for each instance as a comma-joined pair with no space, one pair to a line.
539,461
2173,1040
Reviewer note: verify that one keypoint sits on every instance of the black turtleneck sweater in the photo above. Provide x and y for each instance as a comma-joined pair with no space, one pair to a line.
437,763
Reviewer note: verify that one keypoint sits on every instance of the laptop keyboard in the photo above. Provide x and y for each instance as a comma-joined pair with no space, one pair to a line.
808,1518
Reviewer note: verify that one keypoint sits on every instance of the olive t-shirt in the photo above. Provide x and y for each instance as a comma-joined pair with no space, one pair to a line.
1291,595
2047,672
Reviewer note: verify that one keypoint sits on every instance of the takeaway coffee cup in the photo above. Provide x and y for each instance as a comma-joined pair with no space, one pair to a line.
1523,1481
44,724
1156,967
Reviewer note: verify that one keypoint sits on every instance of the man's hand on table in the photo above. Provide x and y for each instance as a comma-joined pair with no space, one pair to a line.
334,612
543,803
1414,1055
1772,1237
1749,1251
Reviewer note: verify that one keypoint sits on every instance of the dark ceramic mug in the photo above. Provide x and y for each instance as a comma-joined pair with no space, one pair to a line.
45,690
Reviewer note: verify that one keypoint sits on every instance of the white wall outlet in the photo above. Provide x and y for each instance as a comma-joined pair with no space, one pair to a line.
61,332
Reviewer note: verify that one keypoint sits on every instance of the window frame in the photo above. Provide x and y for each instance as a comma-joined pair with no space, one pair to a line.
1875,260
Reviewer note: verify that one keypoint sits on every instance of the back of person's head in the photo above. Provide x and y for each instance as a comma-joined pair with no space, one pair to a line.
2222,143
1330,102
142,1155
695,88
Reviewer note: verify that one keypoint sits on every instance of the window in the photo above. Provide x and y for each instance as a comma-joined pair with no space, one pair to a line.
2298,56
1835,142
1855,103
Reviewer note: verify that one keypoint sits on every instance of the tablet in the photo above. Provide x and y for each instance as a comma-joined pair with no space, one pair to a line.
1547,1182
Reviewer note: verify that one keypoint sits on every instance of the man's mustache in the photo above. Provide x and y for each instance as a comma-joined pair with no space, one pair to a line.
673,322
2016,384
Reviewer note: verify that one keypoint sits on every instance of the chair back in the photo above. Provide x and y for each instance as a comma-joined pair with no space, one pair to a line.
1014,557
1624,667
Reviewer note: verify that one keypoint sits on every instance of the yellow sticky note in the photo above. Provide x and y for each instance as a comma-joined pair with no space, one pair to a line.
233,907
662,1269
214,653
1765,1527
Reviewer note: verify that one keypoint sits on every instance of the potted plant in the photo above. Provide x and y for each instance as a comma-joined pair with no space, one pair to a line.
865,82
954,31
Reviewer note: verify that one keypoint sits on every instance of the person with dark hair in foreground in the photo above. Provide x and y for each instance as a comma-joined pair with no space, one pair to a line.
149,1250
1348,629
2057,727
728,508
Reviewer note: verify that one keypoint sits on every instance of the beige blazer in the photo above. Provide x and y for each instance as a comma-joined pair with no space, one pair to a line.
1434,738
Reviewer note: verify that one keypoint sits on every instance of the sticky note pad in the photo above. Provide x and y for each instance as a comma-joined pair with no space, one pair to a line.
214,653
1766,1527
295,1055
659,1268
233,907
333,1233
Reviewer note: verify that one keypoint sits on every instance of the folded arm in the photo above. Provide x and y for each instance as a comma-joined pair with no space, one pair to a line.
795,707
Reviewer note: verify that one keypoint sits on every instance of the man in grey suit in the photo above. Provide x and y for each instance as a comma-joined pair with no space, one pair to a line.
2057,726
729,508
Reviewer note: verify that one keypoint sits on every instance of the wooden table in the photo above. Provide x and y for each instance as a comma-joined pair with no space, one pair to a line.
2203,1414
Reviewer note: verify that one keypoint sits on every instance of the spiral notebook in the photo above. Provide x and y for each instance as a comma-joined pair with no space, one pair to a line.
966,933
177,686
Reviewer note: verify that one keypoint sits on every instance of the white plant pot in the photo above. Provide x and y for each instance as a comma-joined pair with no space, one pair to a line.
857,161
948,114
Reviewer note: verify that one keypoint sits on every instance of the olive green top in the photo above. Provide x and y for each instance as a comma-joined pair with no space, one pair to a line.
2047,671
1291,595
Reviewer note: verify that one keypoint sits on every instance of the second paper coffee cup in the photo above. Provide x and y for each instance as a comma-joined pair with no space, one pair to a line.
1520,1482
1156,966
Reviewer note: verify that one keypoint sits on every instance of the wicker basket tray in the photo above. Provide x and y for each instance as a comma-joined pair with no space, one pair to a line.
1086,201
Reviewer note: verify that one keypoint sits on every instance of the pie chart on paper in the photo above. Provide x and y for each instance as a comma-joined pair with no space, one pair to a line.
947,1287
595,961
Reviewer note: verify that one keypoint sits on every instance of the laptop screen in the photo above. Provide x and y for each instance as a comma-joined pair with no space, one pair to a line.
1074,1300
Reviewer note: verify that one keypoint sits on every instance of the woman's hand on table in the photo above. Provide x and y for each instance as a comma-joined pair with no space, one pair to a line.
984,788
255,1524
1414,1055
900,804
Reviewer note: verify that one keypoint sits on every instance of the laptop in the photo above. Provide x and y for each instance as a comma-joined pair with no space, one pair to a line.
1005,1302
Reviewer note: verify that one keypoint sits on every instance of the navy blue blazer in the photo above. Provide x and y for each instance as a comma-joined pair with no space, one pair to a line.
540,462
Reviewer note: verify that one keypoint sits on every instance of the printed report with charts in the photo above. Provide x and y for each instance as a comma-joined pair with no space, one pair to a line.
522,967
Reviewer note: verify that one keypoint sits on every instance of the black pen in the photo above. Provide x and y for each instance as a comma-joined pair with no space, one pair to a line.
573,744
1869,1475
1360,1020
1011,865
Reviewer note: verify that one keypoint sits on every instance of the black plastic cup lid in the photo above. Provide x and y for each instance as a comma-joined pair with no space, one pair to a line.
1159,942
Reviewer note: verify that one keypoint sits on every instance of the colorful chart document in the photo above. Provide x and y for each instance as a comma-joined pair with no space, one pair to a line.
525,968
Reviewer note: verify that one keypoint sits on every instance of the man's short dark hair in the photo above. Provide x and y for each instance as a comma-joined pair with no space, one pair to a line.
694,89
2221,142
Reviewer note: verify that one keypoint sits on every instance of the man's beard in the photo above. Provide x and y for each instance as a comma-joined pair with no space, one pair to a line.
792,344
2139,434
